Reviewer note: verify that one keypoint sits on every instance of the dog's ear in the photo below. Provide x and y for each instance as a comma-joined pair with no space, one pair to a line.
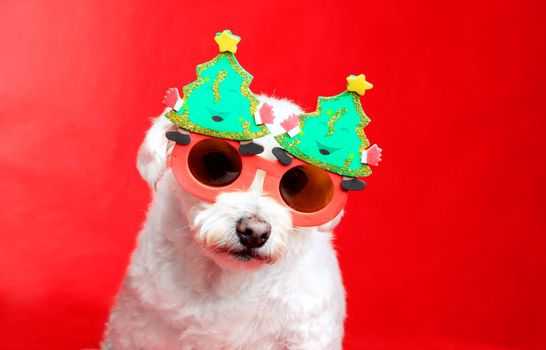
329,226
153,153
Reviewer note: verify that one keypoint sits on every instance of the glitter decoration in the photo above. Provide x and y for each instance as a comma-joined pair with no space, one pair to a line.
221,76
333,120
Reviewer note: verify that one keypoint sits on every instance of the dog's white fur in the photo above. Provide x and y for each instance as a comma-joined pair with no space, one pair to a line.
180,294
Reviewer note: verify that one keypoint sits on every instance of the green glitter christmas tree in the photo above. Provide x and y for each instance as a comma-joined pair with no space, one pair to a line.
219,103
333,136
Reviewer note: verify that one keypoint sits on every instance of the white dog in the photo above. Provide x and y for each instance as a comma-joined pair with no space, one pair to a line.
179,294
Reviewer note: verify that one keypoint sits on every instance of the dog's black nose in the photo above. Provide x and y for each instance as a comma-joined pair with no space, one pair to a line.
253,232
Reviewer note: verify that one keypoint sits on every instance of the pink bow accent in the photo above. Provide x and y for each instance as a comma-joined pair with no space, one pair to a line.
291,122
266,114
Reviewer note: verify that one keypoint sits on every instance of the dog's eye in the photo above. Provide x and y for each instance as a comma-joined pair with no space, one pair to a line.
214,163
306,188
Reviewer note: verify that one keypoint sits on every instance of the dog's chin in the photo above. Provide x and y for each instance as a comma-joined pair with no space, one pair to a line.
237,259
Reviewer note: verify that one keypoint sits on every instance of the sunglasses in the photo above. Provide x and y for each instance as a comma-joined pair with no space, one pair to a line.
207,166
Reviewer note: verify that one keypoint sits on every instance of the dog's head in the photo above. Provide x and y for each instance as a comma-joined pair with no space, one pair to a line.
240,229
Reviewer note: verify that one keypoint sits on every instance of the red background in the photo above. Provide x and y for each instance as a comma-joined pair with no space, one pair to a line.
446,249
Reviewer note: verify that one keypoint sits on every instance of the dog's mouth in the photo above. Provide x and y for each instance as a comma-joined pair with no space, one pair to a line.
245,255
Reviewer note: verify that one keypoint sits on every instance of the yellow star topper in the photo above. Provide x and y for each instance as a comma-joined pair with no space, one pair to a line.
358,84
227,41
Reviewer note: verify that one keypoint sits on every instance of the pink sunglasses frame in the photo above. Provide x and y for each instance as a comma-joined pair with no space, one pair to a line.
250,164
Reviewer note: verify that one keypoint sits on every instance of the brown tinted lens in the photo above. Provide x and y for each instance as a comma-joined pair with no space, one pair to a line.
306,188
214,163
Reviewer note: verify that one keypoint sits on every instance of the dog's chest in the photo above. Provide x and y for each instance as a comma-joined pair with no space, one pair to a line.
254,315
